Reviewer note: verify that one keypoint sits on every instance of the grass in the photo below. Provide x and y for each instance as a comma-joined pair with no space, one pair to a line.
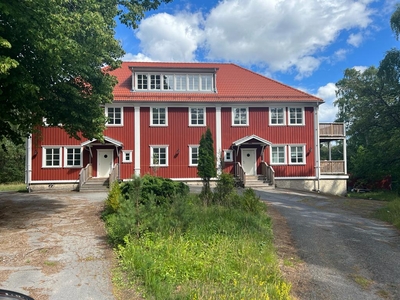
391,212
365,283
187,249
13,187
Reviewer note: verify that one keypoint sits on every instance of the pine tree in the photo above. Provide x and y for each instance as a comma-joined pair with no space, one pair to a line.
207,165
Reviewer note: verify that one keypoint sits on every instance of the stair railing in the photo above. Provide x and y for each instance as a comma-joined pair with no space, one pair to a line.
84,175
240,174
268,173
114,174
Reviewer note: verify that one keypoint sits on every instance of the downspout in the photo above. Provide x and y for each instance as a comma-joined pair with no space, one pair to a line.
317,148
28,163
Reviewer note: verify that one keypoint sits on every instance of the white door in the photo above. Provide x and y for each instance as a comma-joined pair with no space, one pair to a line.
249,161
105,158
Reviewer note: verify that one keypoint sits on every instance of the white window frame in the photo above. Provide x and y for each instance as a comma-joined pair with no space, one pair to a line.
206,80
197,115
303,156
234,114
145,77
122,115
226,152
284,155
124,159
191,147
156,81
166,81
296,119
66,165
44,154
151,116
152,147
284,116
181,81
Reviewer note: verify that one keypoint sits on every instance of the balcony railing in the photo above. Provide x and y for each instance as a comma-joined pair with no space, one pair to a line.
331,130
332,167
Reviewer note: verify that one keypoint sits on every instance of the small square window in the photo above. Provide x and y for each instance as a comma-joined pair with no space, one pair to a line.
228,155
126,156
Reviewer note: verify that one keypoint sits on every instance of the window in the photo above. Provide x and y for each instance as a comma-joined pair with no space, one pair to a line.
126,156
155,82
197,116
168,82
180,82
193,81
114,115
51,157
297,155
296,116
193,155
159,116
73,157
228,155
206,82
159,156
142,81
278,155
277,116
240,116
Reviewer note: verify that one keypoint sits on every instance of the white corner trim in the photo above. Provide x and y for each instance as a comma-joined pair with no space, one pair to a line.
137,141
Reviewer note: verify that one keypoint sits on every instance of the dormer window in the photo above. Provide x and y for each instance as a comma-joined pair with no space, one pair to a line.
178,82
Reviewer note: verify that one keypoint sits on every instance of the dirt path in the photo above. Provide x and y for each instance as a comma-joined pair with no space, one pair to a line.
53,245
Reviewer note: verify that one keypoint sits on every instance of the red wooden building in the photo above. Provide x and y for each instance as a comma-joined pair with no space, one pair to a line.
262,129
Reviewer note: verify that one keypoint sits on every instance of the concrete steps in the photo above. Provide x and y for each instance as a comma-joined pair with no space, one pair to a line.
257,181
95,185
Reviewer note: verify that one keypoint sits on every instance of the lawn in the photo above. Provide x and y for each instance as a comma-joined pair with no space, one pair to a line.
13,187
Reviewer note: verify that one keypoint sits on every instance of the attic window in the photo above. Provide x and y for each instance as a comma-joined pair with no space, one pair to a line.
193,82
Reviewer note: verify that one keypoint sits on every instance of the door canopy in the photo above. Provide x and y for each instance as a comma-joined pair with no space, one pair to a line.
106,140
252,140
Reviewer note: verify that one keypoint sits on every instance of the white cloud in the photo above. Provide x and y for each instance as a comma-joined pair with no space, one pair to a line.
135,57
327,111
166,37
355,39
285,36
360,68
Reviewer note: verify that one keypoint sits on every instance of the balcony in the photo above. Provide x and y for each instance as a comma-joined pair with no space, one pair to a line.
333,167
331,131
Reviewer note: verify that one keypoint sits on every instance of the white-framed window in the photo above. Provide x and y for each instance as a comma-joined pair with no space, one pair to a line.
240,116
168,82
278,155
180,82
197,116
155,82
73,157
159,156
206,82
228,155
115,116
296,116
126,156
193,155
277,116
193,82
142,81
159,116
51,157
297,154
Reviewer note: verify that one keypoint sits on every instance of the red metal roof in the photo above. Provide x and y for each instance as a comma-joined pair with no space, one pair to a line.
234,84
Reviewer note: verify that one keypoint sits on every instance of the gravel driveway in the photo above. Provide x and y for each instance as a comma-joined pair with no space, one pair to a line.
347,254
53,245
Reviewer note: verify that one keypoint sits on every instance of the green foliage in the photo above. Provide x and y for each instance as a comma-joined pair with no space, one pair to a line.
224,188
113,200
390,213
206,168
52,55
12,161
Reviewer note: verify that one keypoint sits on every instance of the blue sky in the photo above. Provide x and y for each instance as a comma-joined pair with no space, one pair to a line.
306,44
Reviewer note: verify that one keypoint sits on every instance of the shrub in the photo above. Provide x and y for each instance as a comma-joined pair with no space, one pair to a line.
224,189
113,199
